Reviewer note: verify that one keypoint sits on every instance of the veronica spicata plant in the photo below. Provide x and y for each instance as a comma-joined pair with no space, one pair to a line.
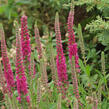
73,54
25,43
60,60
7,67
47,77
20,74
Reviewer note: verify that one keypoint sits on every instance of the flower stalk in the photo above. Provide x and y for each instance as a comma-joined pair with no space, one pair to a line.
9,77
60,60
20,74
38,92
103,63
59,101
2,81
72,45
38,42
81,40
41,57
25,43
73,55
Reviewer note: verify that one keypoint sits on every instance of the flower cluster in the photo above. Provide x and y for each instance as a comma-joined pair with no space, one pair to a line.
73,55
21,78
2,81
7,67
72,44
25,42
60,59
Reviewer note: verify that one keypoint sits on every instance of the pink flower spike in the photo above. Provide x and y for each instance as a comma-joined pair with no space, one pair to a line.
73,55
60,58
19,99
7,67
72,45
21,78
25,42
28,99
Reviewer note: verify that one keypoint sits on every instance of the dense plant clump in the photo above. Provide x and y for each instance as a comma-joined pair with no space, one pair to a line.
44,73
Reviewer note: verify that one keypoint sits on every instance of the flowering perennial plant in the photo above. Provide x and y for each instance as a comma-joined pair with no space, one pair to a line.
2,80
73,55
38,90
21,78
7,67
25,42
72,44
41,58
60,59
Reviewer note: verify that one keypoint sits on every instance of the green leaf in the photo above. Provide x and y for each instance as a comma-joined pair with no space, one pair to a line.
23,2
88,70
30,22
53,106
10,2
104,38
82,65
3,8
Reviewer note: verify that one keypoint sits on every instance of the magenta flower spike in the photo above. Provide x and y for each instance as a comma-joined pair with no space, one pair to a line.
73,50
60,58
73,53
20,74
7,67
25,42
